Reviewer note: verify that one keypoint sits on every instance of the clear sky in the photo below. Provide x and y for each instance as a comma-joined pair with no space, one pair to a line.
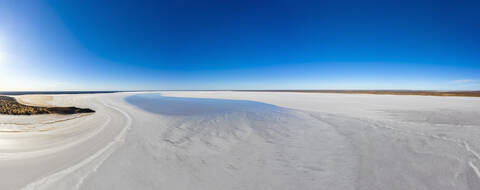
282,44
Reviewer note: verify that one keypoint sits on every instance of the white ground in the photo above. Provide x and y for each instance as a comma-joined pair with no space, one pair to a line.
311,141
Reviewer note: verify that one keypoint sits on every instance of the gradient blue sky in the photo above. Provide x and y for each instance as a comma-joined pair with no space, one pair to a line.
283,44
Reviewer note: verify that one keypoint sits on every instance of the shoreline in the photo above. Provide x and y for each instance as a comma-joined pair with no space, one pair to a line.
16,93
34,100
11,106
51,143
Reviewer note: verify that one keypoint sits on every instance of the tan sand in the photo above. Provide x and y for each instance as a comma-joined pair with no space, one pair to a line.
35,100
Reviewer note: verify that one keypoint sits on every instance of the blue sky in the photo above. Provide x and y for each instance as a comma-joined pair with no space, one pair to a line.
283,44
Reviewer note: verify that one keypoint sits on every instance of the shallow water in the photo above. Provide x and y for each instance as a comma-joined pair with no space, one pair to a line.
155,103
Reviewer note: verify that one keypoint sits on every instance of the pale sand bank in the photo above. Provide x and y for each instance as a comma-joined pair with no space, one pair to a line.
299,141
35,100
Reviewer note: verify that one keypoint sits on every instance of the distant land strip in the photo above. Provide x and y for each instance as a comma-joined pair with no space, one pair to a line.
55,92
382,92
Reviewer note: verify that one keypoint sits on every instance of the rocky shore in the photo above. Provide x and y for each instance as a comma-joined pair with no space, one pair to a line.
10,106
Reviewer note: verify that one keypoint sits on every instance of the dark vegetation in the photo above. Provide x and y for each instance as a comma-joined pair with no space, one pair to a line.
10,106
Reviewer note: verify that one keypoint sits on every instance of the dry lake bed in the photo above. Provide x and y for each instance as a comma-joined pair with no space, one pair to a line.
244,140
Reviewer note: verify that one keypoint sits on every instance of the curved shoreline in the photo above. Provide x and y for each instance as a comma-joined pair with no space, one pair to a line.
11,106
70,144
101,154
32,154
35,100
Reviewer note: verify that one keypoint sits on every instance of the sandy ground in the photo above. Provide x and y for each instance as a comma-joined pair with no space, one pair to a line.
272,141
35,100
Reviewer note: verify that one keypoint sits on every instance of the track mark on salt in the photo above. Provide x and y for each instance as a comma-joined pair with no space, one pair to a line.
100,156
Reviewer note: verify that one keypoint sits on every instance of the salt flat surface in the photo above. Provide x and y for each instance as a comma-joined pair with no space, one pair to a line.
53,143
253,140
